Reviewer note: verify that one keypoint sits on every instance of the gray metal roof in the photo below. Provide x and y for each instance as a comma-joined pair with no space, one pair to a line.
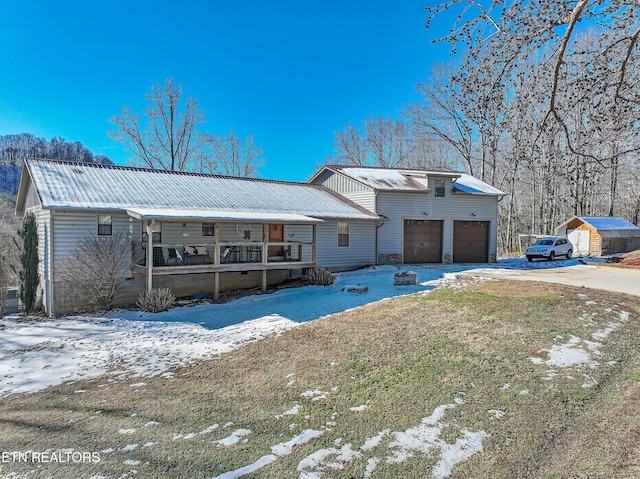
398,179
66,185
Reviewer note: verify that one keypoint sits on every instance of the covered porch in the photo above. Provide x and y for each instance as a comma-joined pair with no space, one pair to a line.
179,242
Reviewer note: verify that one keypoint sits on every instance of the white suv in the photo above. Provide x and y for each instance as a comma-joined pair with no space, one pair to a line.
549,248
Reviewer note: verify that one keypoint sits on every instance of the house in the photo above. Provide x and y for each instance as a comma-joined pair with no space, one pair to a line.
600,235
428,216
193,233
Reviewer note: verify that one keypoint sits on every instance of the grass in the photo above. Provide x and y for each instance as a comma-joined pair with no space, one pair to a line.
403,358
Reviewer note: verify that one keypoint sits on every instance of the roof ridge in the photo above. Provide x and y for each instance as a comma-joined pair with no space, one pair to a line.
167,172
338,167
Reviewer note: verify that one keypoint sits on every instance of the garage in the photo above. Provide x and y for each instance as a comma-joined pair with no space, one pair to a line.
422,241
471,241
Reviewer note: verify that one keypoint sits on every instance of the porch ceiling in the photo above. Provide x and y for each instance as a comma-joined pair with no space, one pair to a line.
167,214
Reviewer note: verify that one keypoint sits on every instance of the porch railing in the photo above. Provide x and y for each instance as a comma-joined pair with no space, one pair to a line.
174,254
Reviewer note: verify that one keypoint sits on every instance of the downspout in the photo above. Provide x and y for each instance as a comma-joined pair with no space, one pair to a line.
380,223
149,255
50,298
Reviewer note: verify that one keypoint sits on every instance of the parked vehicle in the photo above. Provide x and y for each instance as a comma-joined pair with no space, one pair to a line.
549,248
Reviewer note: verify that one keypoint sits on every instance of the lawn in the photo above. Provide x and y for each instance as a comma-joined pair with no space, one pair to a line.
497,379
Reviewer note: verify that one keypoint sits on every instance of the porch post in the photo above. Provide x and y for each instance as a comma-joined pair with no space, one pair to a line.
216,262
265,254
149,256
313,244
216,253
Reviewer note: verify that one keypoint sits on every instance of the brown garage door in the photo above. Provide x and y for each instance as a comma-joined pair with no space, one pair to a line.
470,241
422,241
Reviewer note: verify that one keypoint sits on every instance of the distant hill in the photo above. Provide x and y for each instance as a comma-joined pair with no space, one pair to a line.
15,148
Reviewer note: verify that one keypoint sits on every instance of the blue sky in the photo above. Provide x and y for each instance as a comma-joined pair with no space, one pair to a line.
289,72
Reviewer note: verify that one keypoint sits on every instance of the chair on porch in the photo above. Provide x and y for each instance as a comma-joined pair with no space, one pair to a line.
174,256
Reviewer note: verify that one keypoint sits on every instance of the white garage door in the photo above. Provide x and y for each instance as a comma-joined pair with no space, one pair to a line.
580,241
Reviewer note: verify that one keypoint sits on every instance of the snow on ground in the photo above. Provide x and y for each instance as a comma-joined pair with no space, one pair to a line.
576,355
423,439
35,354
41,353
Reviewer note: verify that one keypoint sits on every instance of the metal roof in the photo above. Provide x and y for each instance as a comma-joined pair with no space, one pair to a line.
67,185
398,179
611,227
607,226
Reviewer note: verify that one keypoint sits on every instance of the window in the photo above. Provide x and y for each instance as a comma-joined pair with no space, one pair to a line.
343,234
208,229
105,227
439,188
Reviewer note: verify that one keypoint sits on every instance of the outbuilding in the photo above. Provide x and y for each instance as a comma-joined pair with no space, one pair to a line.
600,235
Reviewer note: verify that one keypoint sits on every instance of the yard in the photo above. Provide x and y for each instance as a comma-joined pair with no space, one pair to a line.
477,378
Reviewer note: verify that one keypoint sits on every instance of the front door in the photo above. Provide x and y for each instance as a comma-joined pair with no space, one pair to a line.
276,235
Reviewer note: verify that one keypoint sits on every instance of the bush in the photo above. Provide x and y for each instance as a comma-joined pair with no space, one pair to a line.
321,277
29,276
158,299
94,270
4,276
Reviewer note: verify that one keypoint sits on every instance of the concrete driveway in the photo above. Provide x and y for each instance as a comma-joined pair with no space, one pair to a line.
622,280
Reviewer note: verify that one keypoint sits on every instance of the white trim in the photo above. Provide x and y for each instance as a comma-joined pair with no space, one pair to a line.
219,215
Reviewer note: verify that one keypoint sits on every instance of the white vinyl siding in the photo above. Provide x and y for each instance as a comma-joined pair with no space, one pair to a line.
398,206
360,252
71,227
357,192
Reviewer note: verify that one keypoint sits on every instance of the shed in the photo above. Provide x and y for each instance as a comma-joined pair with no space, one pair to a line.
600,235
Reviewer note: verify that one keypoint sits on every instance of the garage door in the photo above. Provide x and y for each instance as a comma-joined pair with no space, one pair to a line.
422,241
470,241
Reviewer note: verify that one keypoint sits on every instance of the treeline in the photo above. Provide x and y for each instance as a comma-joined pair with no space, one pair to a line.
15,148
579,155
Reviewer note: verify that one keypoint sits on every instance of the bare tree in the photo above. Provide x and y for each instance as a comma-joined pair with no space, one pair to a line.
168,138
232,156
500,36
350,147
385,142
94,271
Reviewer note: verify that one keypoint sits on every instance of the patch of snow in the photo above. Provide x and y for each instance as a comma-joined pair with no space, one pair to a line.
422,439
126,431
39,354
496,413
285,448
234,438
315,395
294,410
129,448
131,462
359,408
210,429
279,450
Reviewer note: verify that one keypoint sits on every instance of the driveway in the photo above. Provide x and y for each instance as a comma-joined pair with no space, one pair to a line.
622,280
